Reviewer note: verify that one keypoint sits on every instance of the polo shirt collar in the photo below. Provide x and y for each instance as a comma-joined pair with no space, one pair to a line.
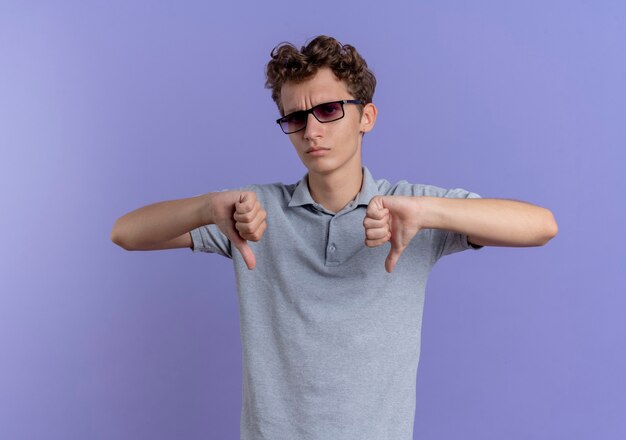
302,196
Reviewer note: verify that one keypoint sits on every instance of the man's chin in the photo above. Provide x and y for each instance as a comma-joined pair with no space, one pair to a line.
319,168
327,166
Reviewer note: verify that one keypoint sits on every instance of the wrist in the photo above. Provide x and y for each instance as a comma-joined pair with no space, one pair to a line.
428,215
207,216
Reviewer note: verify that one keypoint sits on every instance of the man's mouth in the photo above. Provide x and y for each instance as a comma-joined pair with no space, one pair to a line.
316,149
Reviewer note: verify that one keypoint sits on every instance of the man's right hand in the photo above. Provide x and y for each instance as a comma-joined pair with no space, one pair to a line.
239,215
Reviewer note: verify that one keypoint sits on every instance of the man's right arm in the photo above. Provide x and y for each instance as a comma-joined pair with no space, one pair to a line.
167,225
163,225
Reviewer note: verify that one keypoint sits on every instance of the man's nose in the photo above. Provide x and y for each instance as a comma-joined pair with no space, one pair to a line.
313,126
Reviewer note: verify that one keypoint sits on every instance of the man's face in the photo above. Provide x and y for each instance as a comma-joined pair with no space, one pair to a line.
340,139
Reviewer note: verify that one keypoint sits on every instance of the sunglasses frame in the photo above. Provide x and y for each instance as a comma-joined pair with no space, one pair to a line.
312,110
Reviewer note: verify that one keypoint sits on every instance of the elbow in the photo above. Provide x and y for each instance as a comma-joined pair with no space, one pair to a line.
117,237
551,228
117,240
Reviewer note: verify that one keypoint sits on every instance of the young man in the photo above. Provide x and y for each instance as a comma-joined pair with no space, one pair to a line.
330,314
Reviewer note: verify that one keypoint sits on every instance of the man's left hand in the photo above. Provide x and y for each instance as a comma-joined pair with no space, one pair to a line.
391,218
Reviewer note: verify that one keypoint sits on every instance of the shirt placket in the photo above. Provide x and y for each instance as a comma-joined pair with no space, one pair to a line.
334,248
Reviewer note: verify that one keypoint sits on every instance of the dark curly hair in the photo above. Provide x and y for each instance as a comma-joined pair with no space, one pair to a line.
289,64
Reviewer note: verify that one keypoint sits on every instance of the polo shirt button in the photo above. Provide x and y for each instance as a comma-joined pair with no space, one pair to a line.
332,248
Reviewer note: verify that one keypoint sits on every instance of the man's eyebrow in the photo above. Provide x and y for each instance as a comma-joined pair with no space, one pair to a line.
301,110
293,111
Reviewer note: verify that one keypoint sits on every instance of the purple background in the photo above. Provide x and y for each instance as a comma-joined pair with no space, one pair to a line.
109,106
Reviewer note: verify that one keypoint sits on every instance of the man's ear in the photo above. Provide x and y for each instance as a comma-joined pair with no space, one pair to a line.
368,118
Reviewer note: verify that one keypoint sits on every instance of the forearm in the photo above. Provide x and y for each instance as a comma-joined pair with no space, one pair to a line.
490,222
161,221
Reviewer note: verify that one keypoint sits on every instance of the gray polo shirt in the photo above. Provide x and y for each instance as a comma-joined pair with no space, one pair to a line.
330,340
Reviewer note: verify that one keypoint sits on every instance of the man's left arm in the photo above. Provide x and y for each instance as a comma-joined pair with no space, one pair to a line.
489,222
486,222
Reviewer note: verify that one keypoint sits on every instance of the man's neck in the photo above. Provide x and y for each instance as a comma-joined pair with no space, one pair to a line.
335,191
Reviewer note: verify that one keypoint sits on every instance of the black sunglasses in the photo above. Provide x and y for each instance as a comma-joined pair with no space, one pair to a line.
326,112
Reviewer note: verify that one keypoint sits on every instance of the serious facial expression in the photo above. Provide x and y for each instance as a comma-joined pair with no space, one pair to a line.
328,147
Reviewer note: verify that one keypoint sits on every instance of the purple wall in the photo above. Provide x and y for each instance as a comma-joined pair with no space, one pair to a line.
106,107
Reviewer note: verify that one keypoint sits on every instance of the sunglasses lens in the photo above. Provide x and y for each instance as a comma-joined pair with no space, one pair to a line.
293,122
329,112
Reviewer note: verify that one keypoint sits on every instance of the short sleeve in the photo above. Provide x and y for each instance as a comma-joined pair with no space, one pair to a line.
449,242
209,238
